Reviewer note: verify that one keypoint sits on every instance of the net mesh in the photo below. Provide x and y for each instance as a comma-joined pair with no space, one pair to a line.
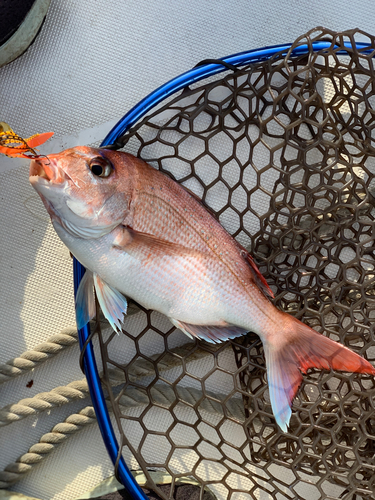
283,153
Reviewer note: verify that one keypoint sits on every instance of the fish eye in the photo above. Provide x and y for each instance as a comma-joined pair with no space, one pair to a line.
101,167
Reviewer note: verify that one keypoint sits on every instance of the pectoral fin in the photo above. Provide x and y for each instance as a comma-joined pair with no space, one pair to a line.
134,243
85,300
113,304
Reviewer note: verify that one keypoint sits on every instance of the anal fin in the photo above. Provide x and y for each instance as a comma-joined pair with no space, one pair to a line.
210,333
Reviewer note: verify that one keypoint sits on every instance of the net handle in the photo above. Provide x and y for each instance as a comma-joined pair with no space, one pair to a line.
130,118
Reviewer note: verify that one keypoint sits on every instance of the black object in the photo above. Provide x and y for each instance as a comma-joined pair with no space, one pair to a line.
12,14
20,24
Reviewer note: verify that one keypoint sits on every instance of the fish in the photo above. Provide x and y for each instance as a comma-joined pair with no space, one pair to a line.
143,236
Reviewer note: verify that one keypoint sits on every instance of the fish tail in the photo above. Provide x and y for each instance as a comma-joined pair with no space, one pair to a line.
298,350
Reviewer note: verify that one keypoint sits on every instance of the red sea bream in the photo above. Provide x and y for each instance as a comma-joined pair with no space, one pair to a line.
141,235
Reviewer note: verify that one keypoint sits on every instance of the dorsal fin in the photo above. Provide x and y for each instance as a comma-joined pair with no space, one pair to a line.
258,276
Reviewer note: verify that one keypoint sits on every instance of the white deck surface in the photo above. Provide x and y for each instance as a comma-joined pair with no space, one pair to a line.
94,60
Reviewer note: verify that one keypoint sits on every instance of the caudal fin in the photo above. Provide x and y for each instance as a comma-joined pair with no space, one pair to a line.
300,349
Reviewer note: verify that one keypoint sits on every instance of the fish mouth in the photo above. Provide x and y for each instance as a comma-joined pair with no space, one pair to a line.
46,171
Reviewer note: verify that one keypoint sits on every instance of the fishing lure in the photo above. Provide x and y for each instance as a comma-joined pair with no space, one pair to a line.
15,146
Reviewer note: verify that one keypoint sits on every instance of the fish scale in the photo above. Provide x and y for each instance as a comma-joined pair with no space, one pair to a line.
155,215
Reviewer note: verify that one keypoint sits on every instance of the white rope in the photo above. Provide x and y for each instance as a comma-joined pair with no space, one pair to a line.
78,389
42,352
47,443
161,394
38,355
43,401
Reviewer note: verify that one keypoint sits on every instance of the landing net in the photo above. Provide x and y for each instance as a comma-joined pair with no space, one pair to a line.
283,152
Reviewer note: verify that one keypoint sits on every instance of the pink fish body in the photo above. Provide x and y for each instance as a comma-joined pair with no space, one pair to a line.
141,235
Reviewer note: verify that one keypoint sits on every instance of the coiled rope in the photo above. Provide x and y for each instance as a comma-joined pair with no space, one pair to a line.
78,389
39,354
161,394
